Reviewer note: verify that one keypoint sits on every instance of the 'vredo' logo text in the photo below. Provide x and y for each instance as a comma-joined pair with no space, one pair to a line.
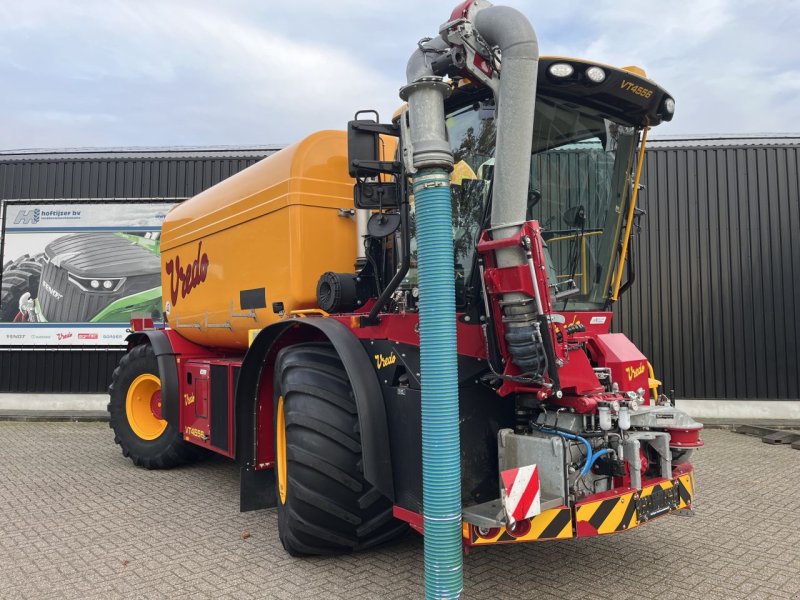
382,361
634,372
185,279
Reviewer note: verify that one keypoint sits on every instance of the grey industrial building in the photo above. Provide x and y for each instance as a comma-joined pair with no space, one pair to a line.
717,257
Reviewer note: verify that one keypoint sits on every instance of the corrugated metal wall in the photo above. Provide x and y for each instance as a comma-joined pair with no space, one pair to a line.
49,370
87,369
718,271
114,178
718,261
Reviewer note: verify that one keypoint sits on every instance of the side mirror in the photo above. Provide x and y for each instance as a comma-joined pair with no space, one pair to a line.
364,146
575,216
534,196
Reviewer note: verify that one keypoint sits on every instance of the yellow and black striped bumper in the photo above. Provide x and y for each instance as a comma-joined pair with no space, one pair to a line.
593,516
553,524
613,514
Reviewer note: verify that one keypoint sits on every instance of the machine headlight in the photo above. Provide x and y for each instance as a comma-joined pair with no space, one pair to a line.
669,106
112,284
596,74
561,70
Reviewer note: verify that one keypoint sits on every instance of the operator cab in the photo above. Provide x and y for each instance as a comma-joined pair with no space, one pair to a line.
588,124
587,128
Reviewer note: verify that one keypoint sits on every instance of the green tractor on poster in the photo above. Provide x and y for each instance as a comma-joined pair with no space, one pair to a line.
85,278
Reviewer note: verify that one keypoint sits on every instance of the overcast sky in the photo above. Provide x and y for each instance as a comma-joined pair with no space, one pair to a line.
105,73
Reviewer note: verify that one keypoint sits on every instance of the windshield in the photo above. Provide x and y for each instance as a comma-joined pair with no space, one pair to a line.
580,179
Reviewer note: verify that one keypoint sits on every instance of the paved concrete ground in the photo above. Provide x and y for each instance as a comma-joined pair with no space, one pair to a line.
77,520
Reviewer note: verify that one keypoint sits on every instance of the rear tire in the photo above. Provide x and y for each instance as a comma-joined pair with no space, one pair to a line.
34,270
149,442
15,284
21,276
325,506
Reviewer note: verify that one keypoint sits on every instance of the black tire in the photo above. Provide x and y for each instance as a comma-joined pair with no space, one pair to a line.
34,270
165,451
20,259
15,284
329,507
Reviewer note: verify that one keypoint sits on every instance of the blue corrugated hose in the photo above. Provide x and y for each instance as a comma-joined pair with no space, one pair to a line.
441,457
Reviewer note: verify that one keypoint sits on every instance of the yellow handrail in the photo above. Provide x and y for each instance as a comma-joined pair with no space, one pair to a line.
629,225
572,236
653,383
584,270
302,313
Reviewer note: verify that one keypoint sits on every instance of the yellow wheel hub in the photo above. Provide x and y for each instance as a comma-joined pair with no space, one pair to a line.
280,450
141,404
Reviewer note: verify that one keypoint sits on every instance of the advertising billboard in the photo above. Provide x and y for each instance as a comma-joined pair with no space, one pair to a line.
73,273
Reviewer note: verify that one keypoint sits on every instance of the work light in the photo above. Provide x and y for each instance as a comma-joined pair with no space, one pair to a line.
596,74
561,70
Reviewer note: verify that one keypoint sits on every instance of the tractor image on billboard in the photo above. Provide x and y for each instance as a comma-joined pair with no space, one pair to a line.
85,278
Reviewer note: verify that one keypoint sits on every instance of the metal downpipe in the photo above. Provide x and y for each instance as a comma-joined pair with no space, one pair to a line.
432,161
510,31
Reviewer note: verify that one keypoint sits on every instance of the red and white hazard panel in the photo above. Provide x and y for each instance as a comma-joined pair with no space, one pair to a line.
522,498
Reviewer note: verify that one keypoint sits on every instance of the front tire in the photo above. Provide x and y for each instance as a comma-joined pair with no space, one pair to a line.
149,441
325,506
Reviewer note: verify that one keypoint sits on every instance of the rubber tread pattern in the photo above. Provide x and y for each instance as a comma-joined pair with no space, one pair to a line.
22,275
330,508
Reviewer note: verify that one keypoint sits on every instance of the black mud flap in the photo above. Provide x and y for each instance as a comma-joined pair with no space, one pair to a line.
256,489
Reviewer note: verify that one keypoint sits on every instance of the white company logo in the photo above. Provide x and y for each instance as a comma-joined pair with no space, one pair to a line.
28,217
54,293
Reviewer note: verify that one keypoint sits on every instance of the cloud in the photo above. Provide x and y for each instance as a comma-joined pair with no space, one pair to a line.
730,65
191,67
183,72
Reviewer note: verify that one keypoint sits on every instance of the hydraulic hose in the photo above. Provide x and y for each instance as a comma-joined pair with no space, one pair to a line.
591,455
589,464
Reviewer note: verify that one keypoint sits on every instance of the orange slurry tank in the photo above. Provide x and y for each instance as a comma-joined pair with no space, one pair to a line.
263,236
